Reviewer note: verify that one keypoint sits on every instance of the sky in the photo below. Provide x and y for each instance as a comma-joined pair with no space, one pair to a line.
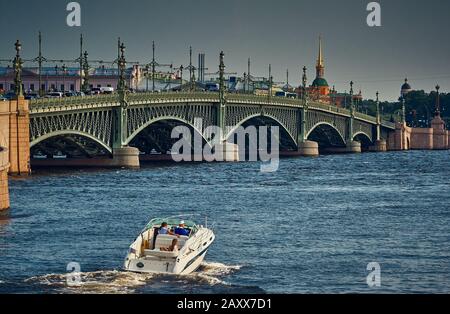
413,40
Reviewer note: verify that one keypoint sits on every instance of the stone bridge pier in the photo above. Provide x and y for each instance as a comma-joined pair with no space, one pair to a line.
14,144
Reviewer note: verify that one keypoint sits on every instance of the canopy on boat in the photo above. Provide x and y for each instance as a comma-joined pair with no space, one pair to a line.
171,221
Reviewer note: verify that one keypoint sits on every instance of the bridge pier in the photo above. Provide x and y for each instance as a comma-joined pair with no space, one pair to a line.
352,147
379,146
127,157
4,166
230,151
308,149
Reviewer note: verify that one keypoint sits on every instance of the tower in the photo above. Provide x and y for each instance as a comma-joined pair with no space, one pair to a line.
320,66
406,88
320,84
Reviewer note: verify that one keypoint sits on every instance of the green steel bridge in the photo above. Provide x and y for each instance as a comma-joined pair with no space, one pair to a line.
93,126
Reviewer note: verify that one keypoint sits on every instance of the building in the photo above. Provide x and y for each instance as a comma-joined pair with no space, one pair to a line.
406,88
67,78
319,88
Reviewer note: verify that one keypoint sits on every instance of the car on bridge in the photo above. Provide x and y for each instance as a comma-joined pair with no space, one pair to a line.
32,95
107,90
54,95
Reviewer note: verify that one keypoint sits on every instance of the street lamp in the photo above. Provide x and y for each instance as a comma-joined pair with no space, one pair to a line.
64,69
56,78
147,69
18,63
181,76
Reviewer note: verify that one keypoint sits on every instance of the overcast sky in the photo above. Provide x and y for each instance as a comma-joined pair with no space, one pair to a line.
413,40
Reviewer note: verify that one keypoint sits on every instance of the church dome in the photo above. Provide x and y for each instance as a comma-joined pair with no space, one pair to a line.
406,88
320,82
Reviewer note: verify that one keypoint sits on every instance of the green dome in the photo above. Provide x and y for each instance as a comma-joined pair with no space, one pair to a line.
320,82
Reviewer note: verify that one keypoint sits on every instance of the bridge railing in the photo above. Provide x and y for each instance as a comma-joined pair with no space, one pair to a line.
172,96
44,104
363,116
74,100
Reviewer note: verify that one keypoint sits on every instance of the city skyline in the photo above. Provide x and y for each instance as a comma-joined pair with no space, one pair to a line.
285,36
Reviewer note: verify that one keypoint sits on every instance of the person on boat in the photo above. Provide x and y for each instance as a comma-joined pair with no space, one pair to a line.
164,229
172,248
181,230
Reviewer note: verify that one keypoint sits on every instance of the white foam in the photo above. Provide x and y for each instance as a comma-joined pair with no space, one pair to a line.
112,281
210,271
120,282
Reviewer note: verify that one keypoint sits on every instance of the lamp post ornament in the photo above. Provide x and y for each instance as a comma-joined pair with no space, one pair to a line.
438,109
304,109
305,96
378,117
122,65
222,79
352,104
378,108
403,109
85,72
18,63
222,89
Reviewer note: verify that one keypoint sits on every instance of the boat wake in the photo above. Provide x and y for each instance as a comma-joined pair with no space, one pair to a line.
123,282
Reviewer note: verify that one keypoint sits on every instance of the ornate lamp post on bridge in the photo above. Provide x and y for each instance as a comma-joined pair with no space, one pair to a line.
378,118
305,148
352,146
123,156
18,64
304,109
352,113
222,90
380,144
270,82
56,78
403,117
64,70
437,112
85,88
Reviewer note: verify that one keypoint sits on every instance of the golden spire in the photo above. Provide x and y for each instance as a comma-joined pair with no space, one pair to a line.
320,62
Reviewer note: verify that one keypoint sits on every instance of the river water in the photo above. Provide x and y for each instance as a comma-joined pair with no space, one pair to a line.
311,227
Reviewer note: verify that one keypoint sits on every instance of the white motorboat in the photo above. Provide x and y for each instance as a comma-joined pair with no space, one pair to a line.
155,253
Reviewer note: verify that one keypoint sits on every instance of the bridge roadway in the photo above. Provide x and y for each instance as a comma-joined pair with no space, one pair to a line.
102,128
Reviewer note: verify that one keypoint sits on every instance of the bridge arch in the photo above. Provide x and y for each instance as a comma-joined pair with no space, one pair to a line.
70,132
362,136
328,132
250,117
163,118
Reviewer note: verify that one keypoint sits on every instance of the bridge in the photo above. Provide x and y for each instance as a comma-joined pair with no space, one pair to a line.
86,128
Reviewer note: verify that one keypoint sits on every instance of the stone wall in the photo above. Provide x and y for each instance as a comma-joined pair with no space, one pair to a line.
4,154
434,138
14,144
422,139
400,139
19,137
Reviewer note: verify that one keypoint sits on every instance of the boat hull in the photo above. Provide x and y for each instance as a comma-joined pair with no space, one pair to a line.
186,261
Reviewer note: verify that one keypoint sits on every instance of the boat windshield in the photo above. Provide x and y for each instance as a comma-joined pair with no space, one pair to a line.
171,222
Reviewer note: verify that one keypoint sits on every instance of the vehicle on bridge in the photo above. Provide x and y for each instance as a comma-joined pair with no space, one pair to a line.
285,94
107,90
170,252
211,87
54,95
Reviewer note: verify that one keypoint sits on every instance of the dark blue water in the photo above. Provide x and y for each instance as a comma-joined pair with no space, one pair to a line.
311,227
